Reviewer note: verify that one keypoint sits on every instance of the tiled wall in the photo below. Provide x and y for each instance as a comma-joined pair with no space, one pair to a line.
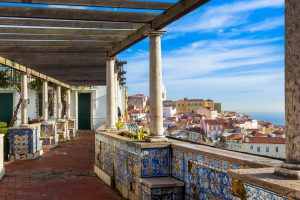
126,164
205,177
24,141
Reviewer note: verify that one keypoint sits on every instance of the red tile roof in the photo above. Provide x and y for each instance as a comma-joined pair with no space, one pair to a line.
266,140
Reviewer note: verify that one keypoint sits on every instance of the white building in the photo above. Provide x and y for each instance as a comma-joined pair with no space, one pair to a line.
250,124
209,114
263,146
169,111
88,106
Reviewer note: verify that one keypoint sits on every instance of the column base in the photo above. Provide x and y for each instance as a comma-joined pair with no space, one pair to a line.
288,170
156,139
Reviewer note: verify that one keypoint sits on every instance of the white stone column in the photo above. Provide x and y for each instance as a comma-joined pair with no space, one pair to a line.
24,97
155,81
291,167
45,101
110,94
58,104
68,104
116,95
76,107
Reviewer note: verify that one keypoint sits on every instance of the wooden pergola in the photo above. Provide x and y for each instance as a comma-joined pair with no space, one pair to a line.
72,44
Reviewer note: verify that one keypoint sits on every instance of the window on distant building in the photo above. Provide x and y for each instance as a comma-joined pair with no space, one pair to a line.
277,149
251,147
258,149
267,149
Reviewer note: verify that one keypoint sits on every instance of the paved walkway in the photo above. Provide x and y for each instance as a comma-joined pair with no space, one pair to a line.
65,173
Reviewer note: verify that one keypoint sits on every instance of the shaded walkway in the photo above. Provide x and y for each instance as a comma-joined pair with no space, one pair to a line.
63,173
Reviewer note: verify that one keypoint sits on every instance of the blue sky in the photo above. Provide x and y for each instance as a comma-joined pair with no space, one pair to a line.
230,51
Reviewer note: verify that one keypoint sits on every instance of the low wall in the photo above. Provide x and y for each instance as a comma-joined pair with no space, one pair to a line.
205,171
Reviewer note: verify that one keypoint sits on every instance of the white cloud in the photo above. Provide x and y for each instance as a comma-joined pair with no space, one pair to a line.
219,17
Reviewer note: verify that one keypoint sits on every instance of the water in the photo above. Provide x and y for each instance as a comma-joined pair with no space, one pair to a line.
274,118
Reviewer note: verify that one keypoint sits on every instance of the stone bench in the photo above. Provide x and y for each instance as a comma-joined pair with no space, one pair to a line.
161,188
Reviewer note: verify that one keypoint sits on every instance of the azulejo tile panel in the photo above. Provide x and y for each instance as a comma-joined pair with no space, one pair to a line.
155,162
24,141
205,177
254,192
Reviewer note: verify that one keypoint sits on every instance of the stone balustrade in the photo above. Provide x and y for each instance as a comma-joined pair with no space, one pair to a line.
49,135
72,128
206,172
62,130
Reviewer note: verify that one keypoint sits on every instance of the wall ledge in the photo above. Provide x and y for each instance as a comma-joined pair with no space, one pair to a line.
265,178
222,154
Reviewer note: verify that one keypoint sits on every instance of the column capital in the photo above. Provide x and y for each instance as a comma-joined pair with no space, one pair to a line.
111,58
152,32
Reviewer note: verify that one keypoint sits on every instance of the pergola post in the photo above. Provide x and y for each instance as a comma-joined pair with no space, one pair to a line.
110,93
68,104
116,97
58,104
292,90
24,98
45,101
155,79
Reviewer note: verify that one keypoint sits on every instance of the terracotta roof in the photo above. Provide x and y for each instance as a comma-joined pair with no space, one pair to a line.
213,122
235,137
266,140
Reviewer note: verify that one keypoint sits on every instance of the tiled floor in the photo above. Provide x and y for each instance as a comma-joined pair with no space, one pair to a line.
64,173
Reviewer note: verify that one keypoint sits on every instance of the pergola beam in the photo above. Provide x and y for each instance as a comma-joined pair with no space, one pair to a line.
174,12
68,23
30,71
27,43
54,49
15,36
76,14
61,31
105,3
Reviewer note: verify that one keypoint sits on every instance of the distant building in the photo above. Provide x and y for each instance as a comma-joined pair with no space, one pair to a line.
136,114
169,103
265,146
192,105
207,113
218,107
138,101
169,112
211,128
249,124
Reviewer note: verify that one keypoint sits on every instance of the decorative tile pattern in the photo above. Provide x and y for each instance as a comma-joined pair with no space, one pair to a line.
155,162
258,193
24,141
126,164
205,177
161,193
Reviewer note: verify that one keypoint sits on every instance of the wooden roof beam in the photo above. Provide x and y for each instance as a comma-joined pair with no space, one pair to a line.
54,49
174,12
105,3
68,23
76,14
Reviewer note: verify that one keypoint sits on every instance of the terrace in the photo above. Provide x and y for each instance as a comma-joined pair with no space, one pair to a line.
67,46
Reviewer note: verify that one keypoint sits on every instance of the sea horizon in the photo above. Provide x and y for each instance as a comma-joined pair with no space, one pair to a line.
274,118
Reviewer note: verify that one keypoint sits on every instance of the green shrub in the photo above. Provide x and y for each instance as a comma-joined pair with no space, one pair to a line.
119,124
3,124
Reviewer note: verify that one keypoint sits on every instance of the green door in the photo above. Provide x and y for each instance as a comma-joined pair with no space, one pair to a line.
6,107
84,111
